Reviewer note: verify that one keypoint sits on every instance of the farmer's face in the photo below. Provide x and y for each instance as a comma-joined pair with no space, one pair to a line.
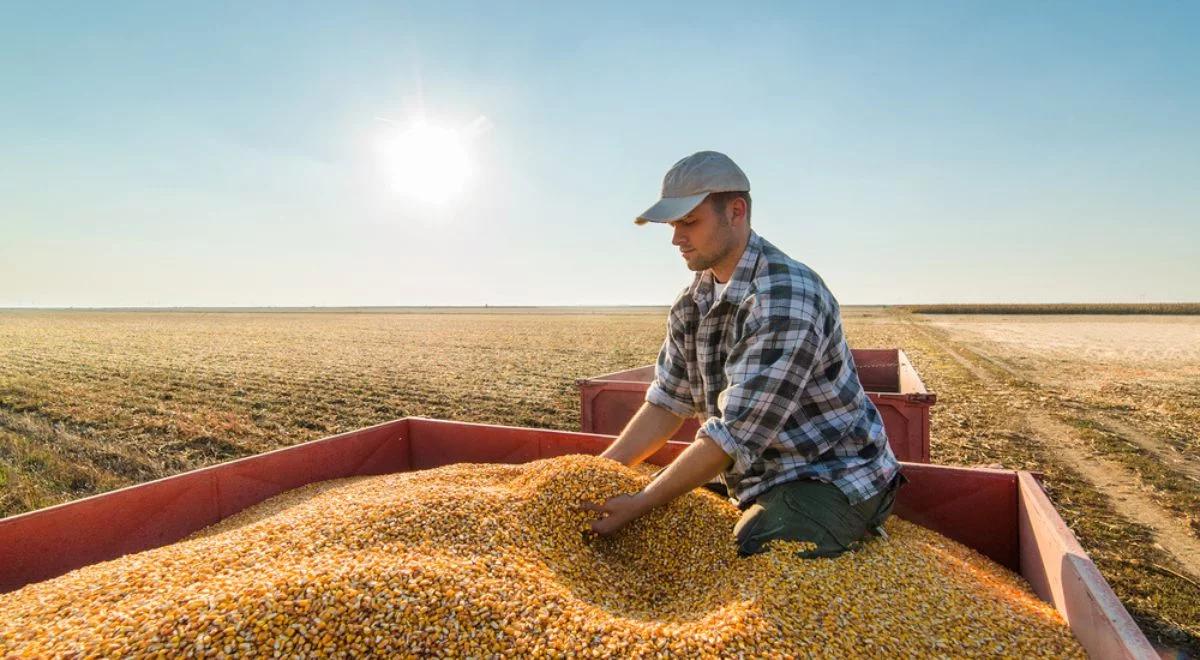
705,237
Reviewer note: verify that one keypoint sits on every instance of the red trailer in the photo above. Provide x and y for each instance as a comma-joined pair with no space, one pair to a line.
608,402
1001,513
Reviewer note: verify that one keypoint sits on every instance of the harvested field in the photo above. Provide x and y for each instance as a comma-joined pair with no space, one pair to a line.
484,560
1129,387
1060,308
90,401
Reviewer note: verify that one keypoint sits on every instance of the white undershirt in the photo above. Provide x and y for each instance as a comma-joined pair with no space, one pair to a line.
718,289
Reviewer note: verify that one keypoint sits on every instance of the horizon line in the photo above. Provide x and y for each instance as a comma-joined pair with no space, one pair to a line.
552,306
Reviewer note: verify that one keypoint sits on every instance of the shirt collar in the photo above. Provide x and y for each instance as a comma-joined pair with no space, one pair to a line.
743,274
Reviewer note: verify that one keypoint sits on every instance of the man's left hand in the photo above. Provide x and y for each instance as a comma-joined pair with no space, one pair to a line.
615,512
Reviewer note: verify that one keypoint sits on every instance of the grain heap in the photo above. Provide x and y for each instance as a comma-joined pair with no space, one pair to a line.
487,559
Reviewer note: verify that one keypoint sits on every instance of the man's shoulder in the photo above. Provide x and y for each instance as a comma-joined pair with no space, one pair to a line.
784,286
683,303
685,295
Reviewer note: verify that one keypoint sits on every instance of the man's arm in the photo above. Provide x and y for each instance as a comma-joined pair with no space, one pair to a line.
668,403
767,374
645,434
700,462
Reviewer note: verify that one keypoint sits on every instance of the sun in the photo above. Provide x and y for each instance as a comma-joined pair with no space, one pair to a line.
426,162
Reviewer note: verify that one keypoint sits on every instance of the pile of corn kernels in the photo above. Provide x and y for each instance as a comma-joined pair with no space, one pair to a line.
489,560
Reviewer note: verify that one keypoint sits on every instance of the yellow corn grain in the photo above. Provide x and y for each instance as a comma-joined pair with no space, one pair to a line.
490,560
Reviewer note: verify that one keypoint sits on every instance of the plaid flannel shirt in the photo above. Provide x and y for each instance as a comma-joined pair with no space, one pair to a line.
768,370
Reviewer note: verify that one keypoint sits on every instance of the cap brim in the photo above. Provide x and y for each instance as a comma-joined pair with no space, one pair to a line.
670,209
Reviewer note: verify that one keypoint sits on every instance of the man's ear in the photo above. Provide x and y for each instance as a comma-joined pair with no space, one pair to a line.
737,209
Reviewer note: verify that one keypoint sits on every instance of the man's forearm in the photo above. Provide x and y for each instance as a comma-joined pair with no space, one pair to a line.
701,461
645,434
696,466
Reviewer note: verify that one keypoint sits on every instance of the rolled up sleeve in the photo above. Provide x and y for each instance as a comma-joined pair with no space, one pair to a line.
766,374
671,388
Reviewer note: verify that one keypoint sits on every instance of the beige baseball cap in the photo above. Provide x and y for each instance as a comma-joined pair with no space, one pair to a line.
690,180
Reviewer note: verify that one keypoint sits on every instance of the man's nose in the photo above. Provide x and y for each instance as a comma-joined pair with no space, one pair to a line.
677,237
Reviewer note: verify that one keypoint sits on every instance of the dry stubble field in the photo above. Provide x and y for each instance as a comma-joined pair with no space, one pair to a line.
1107,407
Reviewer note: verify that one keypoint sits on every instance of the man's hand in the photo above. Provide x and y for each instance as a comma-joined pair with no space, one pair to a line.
701,461
616,512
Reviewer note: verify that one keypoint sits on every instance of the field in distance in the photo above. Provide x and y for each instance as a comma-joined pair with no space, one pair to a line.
1189,309
1107,407
563,309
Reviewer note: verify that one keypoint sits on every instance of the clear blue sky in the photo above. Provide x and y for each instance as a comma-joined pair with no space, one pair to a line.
921,152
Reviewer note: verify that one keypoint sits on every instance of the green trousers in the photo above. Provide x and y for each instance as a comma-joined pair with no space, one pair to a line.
816,512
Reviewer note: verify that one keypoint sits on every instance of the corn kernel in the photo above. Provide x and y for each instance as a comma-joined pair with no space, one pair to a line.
489,560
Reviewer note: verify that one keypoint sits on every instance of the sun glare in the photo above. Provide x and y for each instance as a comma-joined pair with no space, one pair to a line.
426,162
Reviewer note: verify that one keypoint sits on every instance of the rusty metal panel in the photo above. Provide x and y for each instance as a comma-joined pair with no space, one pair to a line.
878,368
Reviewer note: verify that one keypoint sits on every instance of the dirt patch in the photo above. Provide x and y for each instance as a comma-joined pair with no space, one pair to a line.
1143,342
1122,486
1152,445
1056,427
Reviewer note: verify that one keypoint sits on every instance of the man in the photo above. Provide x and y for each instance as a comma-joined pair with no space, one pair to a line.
755,347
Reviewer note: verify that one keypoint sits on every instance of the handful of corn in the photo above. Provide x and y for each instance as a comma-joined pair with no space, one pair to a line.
490,560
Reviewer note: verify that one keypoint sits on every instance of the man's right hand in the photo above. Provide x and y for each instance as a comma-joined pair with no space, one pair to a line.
616,512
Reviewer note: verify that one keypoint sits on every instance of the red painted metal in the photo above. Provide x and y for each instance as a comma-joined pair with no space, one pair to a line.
1060,572
1003,514
49,542
608,402
976,507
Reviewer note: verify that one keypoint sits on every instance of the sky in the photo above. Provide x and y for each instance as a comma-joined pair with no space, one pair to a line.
213,154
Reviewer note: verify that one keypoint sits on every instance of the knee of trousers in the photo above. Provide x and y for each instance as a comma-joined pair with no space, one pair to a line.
805,512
